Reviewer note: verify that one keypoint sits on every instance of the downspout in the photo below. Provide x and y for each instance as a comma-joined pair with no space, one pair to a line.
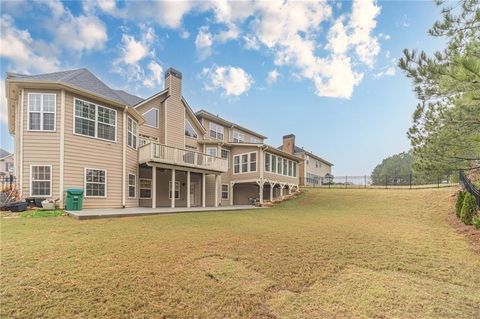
20,169
124,154
62,146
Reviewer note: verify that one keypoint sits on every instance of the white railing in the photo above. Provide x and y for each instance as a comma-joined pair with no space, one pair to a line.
177,156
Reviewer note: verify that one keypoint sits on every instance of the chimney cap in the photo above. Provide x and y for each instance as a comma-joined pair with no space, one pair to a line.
288,136
172,71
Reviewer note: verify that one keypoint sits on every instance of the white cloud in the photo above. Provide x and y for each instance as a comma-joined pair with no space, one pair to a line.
203,42
272,76
251,42
19,47
184,34
133,50
3,103
155,77
233,81
389,71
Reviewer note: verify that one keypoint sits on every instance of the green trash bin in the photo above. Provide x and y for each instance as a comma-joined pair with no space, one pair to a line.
74,199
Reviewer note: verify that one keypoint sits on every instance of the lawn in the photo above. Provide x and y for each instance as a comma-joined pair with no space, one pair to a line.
331,253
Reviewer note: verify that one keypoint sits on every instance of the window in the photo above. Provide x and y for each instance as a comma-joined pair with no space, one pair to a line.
267,162
41,112
9,167
255,140
95,120
308,159
212,151
132,136
238,137
216,131
225,191
151,118
253,162
95,182
189,130
279,166
226,155
245,163
145,188
290,168
41,180
236,164
285,167
132,186
294,169
274,164
177,190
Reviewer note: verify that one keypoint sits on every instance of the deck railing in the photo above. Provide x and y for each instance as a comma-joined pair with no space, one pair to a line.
177,156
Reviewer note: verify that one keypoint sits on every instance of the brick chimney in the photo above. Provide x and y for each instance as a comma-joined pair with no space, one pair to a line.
288,143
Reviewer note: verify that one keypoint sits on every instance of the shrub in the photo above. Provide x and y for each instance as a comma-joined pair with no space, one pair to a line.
476,221
469,209
459,203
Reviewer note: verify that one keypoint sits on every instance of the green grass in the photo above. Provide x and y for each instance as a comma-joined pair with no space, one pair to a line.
41,213
328,254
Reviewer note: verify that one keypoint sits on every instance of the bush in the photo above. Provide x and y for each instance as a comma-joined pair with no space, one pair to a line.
476,221
469,209
459,204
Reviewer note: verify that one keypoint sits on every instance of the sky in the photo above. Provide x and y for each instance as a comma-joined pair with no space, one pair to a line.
325,71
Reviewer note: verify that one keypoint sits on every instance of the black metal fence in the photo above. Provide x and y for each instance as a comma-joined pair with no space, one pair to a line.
469,187
7,182
386,181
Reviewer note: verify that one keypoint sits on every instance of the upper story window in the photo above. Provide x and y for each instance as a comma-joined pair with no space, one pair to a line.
216,131
255,140
225,154
212,151
151,117
95,120
267,162
244,163
238,137
132,136
189,130
41,111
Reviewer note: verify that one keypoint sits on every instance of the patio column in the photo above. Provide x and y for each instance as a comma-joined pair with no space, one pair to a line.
203,189
260,191
188,189
154,187
231,193
281,191
172,200
217,177
289,190
271,191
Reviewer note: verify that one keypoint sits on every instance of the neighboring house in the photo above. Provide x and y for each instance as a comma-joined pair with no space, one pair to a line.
6,163
72,130
313,170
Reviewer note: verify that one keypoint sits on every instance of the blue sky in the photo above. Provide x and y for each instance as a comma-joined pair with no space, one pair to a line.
325,71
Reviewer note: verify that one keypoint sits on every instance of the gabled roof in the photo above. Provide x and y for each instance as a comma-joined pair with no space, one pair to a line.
208,115
4,153
83,79
298,150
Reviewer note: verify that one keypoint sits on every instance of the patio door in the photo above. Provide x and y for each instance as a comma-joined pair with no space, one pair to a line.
192,194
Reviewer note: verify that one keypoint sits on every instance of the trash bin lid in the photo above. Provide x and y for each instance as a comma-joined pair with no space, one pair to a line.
75,191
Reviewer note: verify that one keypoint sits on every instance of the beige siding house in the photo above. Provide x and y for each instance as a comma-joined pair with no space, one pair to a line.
73,131
313,170
7,160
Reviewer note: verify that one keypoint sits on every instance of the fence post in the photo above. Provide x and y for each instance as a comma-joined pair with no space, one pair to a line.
410,182
11,181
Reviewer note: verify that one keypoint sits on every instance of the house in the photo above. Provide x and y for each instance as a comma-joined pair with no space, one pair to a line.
313,170
6,163
73,131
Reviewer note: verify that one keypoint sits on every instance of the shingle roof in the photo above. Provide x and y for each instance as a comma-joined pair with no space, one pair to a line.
297,149
83,79
3,153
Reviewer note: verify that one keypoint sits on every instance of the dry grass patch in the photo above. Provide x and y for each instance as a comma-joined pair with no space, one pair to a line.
327,253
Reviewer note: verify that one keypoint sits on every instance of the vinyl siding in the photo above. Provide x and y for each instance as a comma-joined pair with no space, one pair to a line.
175,114
151,131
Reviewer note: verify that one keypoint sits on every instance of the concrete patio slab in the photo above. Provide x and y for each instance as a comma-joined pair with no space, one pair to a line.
143,211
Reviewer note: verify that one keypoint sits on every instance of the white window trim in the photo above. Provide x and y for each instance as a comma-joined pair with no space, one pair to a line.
128,185
212,126
240,137
228,157
140,188
228,192
248,163
133,134
193,128
51,180
96,122
212,148
170,189
41,112
294,169
85,181
158,117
